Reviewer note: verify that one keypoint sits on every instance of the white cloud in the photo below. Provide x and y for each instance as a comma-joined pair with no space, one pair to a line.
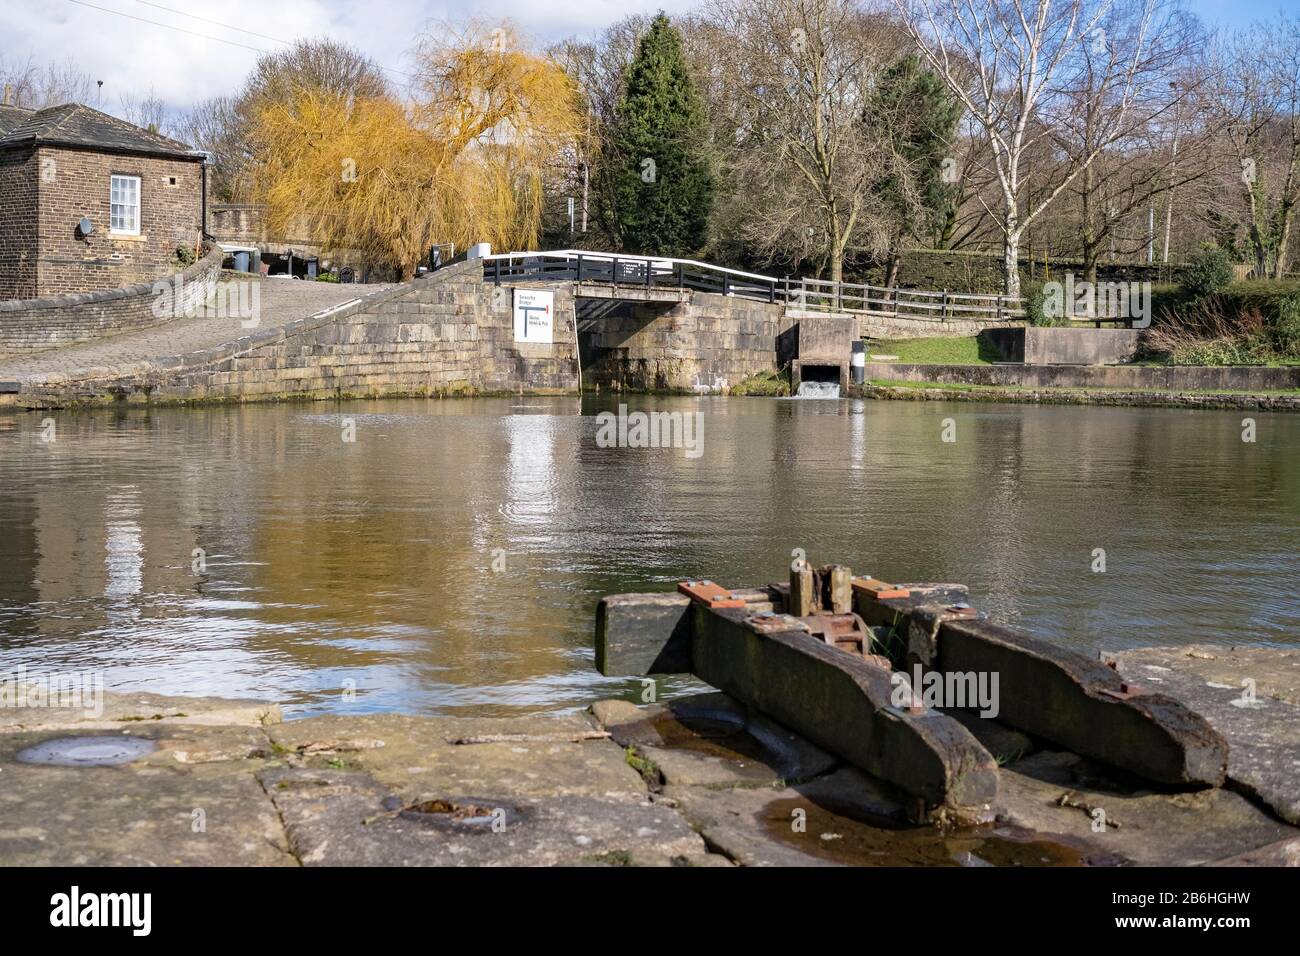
134,57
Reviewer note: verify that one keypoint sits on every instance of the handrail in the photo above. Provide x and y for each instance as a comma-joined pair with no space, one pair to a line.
808,294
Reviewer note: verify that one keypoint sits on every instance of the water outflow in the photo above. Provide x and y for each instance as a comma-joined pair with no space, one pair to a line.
818,390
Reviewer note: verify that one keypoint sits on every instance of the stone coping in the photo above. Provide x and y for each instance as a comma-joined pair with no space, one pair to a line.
210,262
247,343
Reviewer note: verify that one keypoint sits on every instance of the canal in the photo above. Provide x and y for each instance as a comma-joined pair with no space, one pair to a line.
445,557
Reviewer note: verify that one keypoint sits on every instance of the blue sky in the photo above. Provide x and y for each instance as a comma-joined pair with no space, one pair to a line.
179,57
1239,12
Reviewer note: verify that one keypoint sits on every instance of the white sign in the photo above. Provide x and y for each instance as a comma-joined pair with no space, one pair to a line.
534,316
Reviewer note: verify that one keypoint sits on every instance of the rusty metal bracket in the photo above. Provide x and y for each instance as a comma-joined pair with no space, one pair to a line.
1126,691
847,632
769,622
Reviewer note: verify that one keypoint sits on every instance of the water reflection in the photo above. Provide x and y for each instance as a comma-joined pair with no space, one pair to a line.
448,560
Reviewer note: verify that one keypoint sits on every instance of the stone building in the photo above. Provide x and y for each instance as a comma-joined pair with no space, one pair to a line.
89,202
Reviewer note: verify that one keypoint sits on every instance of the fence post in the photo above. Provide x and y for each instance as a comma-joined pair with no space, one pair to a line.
681,276
726,283
895,298
496,271
614,280
943,309
999,313
648,266
580,267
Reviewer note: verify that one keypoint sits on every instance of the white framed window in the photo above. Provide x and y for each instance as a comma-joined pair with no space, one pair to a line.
124,205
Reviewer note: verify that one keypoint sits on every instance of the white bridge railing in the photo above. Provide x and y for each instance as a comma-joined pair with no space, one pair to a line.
813,295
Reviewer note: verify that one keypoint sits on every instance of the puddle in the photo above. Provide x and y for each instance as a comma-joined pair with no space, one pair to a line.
708,735
466,815
87,751
845,839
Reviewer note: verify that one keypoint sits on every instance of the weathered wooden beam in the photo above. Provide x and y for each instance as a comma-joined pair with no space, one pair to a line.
640,634
842,703
1085,706
888,611
1043,689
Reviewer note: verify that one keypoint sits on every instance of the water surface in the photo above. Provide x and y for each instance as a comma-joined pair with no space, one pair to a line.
450,558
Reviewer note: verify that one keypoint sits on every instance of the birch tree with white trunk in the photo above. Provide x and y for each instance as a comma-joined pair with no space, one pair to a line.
1018,66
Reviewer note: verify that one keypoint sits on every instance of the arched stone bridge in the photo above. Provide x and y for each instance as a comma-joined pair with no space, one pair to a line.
615,321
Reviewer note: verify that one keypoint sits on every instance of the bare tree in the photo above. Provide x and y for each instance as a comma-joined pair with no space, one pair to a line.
1256,94
147,111
1125,145
37,86
799,74
1014,64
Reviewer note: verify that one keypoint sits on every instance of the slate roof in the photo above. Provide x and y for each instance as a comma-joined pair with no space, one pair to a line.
80,126
11,116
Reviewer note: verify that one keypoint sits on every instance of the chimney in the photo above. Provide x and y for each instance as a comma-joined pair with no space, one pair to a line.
8,90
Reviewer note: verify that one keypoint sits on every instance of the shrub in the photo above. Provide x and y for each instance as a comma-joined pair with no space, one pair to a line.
185,255
327,277
1286,327
764,383
1035,305
1208,272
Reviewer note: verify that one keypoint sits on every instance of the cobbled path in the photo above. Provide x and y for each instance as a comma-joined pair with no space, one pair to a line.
282,301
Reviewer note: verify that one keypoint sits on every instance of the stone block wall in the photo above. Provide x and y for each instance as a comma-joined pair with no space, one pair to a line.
704,343
30,325
1065,346
892,327
1132,377
18,214
443,334
451,333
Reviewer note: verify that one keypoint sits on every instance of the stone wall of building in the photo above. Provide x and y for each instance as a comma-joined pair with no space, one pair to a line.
75,183
245,224
30,325
18,209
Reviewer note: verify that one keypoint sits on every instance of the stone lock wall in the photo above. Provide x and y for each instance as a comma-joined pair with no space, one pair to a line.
451,333
703,343
30,325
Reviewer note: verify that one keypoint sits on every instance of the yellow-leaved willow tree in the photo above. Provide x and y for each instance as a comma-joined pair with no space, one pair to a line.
462,161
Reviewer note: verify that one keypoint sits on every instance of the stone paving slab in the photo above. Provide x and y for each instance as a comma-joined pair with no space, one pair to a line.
563,756
709,740
337,818
386,789
1057,794
118,710
1262,729
145,814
